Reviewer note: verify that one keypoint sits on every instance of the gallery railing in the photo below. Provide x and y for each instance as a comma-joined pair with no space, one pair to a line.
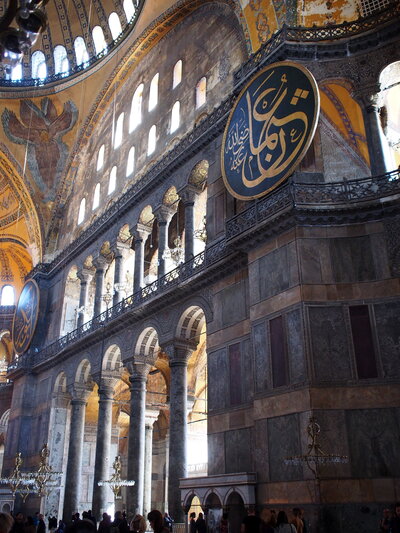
314,195
292,195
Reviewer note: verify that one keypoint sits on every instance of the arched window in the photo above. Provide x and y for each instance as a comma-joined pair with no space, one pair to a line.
81,52
82,207
129,9
100,158
201,92
175,116
39,69
61,64
115,25
113,180
119,128
153,97
96,197
7,295
177,75
136,108
130,165
98,39
152,140
16,73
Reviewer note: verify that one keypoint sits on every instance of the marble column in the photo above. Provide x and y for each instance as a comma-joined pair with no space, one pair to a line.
85,276
378,147
100,264
163,214
119,250
140,234
188,195
58,438
73,484
103,446
136,441
178,360
150,417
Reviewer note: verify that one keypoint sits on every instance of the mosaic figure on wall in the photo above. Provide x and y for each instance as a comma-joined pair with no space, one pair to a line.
42,130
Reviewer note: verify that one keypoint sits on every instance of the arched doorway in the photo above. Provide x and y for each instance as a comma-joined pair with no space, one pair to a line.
236,511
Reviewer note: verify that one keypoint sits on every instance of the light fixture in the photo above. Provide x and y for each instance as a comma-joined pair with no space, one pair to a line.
31,20
107,296
315,457
115,482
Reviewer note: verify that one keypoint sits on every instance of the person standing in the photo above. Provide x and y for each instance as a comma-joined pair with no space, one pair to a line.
395,521
156,521
41,527
192,523
201,524
251,523
6,522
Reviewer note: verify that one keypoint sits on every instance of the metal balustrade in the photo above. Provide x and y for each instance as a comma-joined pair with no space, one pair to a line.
315,195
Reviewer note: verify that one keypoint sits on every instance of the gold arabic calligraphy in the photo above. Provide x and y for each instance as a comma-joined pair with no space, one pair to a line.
276,145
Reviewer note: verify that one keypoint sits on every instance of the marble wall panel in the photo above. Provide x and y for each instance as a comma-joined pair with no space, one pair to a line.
387,317
283,441
278,271
233,303
247,378
218,380
374,435
352,259
261,463
262,372
238,448
216,454
27,435
310,258
295,346
330,350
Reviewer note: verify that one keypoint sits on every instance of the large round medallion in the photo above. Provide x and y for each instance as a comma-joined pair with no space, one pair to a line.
25,317
269,129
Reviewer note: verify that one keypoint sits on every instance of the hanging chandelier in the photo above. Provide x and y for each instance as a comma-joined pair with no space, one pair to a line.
315,457
40,482
31,20
115,482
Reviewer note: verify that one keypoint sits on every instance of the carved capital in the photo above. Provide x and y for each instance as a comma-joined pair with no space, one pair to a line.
80,393
188,194
140,232
368,96
179,351
138,371
119,249
85,275
151,416
100,263
164,213
106,383
61,400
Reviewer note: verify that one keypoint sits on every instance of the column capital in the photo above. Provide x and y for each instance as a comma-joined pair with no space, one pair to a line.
138,370
368,96
164,213
106,384
179,351
100,262
140,232
80,393
119,248
61,399
85,275
188,194
151,416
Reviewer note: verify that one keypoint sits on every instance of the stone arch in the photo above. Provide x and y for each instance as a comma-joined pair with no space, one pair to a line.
82,374
147,345
4,420
112,358
187,502
191,324
60,383
235,502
